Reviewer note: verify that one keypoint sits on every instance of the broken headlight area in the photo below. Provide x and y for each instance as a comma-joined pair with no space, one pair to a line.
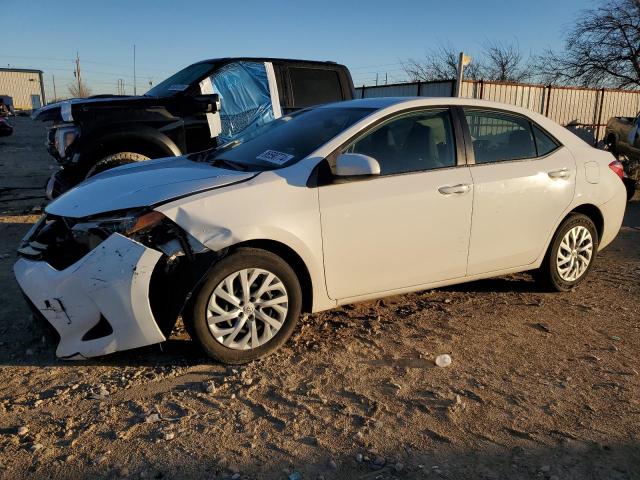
51,240
62,241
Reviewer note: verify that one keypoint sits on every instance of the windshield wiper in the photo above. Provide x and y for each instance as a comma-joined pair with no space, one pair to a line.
221,162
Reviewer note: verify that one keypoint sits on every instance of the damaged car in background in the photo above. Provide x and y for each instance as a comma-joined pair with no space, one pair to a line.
6,128
202,106
331,205
622,139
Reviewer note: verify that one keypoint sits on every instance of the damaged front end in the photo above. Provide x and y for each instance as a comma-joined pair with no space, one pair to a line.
111,282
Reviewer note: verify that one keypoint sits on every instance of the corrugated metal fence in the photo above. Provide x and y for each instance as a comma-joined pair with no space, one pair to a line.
584,110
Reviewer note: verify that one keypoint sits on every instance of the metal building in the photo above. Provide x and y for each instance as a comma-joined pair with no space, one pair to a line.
24,85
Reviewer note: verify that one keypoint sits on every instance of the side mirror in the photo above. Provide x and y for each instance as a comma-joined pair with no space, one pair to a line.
356,164
210,102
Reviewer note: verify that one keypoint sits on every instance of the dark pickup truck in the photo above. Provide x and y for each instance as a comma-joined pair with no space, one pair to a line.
205,105
622,138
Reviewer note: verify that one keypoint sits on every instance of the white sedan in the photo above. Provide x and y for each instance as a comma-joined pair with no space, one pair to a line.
346,202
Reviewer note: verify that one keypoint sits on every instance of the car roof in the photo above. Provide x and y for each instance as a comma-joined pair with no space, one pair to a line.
384,105
384,102
223,60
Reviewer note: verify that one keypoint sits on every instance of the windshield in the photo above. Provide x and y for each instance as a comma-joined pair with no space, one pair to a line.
289,139
179,82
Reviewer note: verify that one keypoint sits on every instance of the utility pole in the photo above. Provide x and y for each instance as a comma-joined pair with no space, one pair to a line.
463,61
386,77
134,69
55,95
376,79
77,75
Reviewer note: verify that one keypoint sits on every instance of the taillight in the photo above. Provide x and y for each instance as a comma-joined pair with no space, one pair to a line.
617,168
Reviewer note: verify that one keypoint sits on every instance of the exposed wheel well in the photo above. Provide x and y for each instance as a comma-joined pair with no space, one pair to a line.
594,214
139,146
293,259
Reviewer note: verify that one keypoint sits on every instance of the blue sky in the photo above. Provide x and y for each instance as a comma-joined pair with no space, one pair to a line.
368,36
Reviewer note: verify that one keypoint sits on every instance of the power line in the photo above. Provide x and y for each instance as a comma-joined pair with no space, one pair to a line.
375,66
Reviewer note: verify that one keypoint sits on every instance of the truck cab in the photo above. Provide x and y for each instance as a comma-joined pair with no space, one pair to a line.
203,106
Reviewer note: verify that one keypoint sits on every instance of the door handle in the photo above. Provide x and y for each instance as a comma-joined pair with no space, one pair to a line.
459,189
561,173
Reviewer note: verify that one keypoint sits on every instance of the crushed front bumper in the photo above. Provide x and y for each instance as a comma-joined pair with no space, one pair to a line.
99,304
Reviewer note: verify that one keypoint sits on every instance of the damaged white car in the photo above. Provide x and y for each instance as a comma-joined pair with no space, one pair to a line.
341,203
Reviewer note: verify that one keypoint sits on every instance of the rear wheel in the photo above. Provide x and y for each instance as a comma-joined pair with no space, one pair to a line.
247,308
571,254
115,160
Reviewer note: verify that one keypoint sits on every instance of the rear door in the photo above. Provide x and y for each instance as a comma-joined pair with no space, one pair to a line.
523,181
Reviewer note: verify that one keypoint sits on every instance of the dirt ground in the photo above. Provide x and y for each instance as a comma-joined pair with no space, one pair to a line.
542,385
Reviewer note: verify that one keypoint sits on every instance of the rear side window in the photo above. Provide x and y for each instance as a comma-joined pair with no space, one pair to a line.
544,143
499,137
314,86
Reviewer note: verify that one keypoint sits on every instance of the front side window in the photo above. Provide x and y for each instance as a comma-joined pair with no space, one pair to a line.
414,142
245,99
499,137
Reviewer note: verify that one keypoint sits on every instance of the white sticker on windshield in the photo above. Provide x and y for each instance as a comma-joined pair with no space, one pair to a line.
273,156
178,87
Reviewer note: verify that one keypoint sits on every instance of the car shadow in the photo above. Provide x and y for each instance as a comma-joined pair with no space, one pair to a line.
520,283
173,352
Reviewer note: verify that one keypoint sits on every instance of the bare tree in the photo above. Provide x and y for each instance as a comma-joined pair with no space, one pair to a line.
497,61
439,63
503,62
79,89
601,50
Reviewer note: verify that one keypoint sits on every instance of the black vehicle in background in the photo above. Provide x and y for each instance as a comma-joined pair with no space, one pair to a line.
205,105
6,128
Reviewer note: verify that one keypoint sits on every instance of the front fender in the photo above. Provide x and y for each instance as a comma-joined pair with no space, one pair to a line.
266,207
139,139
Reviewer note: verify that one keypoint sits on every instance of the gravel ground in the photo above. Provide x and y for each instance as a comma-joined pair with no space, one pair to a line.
541,385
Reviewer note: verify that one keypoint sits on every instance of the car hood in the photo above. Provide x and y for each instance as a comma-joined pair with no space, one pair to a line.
77,106
142,185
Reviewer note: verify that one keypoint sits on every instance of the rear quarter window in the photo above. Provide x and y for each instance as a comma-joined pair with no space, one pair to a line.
314,86
544,143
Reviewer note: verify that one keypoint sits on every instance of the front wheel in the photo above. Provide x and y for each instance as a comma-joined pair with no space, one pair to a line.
247,307
571,254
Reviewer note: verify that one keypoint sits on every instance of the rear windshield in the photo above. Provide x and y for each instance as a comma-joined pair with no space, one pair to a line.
179,82
291,138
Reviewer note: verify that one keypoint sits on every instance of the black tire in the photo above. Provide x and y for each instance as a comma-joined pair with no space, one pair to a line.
547,275
195,318
115,160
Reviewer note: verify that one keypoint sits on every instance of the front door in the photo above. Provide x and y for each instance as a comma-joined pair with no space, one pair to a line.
523,181
410,225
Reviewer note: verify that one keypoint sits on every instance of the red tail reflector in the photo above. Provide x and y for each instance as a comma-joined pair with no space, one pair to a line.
617,168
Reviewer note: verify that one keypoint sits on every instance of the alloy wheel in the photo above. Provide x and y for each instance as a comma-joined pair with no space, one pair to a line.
574,253
247,309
